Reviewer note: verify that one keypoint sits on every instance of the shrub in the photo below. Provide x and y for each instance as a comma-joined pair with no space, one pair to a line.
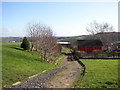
25,44
97,53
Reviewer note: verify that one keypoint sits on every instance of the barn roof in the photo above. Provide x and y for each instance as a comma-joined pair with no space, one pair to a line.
89,43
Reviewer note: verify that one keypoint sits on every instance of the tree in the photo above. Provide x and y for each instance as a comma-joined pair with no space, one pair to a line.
103,31
44,41
25,44
33,34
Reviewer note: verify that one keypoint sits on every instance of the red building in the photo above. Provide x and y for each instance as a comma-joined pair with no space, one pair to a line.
89,45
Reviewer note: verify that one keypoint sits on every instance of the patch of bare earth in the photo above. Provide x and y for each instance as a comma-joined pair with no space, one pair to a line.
67,77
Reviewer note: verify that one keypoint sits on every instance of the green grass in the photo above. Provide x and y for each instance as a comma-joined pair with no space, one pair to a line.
17,64
100,73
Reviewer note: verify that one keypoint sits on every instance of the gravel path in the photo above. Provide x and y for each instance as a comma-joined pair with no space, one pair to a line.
39,81
63,77
67,77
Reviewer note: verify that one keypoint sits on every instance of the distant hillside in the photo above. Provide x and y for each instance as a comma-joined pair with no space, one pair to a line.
73,38
11,39
88,37
115,35
70,38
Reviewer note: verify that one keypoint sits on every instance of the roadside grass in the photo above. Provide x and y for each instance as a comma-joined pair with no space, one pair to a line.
17,64
100,73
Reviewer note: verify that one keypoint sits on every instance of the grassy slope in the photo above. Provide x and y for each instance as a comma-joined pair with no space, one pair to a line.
99,74
19,64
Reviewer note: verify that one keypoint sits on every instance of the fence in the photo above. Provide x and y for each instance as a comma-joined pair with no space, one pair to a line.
98,54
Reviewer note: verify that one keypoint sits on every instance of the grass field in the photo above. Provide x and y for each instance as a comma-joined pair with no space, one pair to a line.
17,64
99,73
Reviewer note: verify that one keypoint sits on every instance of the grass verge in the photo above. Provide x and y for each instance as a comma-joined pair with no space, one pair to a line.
17,64
100,73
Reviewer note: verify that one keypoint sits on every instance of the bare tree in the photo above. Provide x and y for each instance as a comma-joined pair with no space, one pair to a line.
103,31
33,34
44,41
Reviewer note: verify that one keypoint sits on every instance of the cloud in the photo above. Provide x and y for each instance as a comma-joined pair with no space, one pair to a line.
12,33
5,32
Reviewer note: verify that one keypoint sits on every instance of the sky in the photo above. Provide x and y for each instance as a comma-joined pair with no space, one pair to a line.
64,18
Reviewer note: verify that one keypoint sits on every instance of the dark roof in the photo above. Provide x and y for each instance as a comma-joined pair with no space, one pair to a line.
89,43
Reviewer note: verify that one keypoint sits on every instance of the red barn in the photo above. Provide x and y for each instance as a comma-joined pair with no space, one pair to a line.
89,45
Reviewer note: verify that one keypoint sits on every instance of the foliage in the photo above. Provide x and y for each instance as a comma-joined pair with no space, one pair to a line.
25,44
44,41
103,32
100,73
17,64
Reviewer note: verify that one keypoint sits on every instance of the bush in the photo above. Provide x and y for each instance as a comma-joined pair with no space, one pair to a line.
97,53
25,44
83,54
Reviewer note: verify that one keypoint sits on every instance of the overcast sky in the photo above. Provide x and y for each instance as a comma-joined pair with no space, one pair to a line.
65,18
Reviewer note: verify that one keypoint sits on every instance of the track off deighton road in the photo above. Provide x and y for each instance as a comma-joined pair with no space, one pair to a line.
63,77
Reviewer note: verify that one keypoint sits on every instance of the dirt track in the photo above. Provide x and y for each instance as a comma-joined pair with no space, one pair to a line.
67,77
63,77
